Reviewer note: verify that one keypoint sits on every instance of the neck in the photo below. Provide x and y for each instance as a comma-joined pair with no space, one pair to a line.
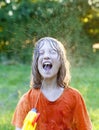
50,89
49,83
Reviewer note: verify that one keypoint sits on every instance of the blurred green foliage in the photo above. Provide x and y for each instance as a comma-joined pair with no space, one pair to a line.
22,23
15,80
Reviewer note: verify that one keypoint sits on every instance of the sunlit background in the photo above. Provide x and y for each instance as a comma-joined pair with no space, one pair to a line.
22,22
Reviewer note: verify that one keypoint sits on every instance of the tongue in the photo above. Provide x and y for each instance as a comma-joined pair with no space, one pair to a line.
47,67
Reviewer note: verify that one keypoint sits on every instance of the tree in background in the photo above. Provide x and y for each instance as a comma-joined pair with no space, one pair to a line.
23,22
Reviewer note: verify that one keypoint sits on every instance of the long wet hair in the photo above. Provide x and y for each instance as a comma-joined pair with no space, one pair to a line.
63,76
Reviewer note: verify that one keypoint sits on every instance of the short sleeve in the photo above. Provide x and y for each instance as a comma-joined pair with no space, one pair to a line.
81,118
21,111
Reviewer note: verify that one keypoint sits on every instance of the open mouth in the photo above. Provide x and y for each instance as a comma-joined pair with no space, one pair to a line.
47,65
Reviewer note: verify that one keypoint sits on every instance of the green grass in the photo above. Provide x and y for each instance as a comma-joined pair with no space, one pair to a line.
14,81
86,80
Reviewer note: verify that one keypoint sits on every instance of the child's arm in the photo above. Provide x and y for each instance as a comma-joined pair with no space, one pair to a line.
81,117
18,128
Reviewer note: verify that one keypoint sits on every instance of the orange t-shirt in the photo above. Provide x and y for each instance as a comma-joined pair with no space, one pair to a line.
68,112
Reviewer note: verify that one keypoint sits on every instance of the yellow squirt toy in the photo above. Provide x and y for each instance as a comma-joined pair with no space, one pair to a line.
30,121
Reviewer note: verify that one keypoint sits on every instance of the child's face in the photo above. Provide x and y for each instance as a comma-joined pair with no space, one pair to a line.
48,61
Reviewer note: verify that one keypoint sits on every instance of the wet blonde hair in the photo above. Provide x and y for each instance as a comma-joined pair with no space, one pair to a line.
63,76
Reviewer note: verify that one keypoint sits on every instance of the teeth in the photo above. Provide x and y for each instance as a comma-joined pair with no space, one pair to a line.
47,65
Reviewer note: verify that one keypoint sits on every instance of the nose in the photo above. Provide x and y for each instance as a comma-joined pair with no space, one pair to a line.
46,55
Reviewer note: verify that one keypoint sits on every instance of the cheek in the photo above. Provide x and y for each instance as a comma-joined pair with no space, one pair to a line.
57,64
39,61
57,60
39,64
56,57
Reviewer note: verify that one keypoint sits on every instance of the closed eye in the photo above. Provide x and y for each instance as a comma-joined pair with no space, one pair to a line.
52,51
41,52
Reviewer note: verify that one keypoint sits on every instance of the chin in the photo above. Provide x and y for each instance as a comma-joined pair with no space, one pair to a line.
49,76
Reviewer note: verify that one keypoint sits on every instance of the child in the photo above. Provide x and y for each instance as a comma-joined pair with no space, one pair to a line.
60,106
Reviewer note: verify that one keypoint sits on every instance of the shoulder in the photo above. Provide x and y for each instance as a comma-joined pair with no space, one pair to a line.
73,91
74,97
29,96
74,94
30,92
